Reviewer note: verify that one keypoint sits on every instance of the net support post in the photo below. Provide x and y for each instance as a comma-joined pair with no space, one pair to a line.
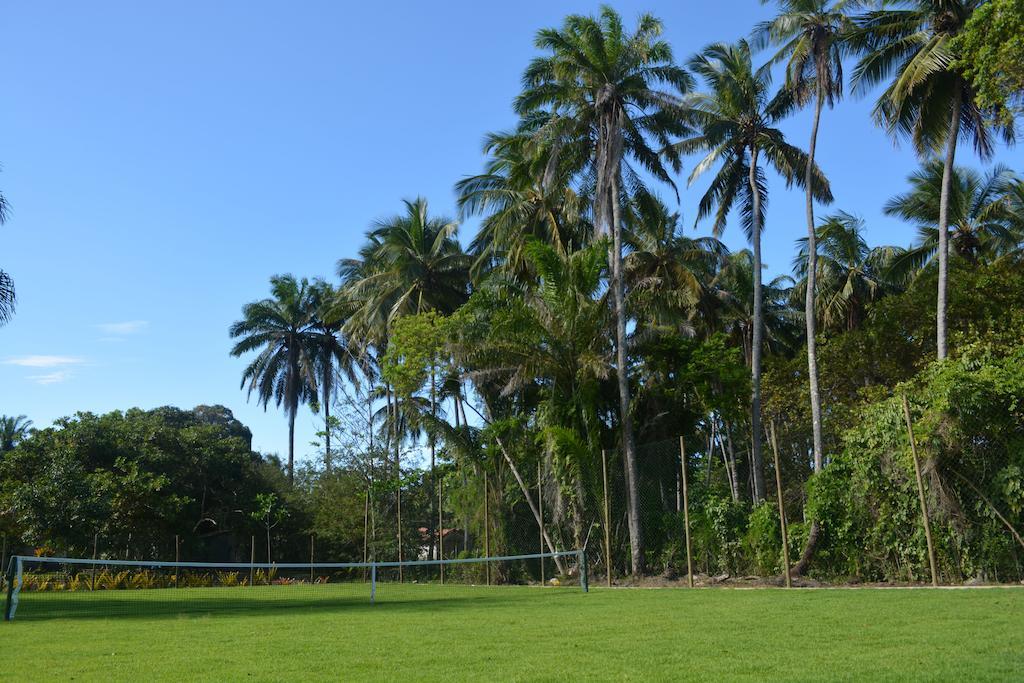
13,585
10,591
584,579
373,583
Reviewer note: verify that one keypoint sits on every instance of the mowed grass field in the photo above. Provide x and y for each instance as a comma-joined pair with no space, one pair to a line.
428,632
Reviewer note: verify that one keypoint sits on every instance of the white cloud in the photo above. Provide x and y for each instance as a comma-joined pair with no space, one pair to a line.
127,327
51,377
43,361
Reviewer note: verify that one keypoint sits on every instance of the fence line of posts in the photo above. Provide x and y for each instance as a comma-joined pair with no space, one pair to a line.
686,511
540,515
682,505
487,531
440,527
607,520
177,558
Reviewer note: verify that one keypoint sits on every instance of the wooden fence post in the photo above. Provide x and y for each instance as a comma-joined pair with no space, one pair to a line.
177,558
95,545
440,527
366,527
607,521
487,531
782,508
920,492
252,560
401,572
686,511
540,525
311,579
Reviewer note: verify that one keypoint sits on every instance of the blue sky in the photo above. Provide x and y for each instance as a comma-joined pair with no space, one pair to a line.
164,159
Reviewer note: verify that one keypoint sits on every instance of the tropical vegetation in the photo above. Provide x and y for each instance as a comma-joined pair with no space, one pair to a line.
580,366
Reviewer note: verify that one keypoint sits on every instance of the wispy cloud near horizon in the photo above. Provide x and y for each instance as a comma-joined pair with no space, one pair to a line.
123,328
51,377
40,361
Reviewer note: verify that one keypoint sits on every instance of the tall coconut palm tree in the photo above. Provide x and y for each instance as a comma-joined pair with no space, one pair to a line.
977,209
281,329
851,274
616,94
735,123
811,40
13,430
928,99
332,352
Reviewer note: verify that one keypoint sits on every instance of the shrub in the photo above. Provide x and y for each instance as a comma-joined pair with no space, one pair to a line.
762,542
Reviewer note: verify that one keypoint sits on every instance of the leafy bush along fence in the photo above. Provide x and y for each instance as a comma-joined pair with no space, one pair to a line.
728,536
142,579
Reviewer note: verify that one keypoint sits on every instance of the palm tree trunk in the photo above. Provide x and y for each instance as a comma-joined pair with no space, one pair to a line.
730,463
608,160
947,179
812,274
327,419
292,399
369,435
455,410
291,444
758,337
622,364
812,344
813,534
462,408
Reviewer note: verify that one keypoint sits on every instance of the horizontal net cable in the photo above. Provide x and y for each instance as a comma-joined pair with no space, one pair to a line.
146,564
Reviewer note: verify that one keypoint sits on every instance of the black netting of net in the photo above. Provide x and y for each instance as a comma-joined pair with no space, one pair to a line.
46,587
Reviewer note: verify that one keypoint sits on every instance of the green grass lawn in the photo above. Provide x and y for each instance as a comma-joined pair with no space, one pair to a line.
425,632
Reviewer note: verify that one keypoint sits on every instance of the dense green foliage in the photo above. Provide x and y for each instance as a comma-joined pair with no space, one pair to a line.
136,479
990,50
970,433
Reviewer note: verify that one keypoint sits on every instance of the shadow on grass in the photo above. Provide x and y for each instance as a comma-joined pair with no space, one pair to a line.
233,602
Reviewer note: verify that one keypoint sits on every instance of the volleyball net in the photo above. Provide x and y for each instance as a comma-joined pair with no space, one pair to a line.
63,587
